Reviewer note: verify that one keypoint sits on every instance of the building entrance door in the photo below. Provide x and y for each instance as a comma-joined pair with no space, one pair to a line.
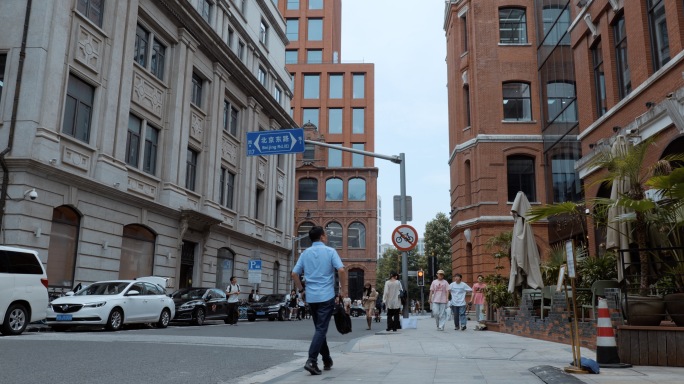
187,264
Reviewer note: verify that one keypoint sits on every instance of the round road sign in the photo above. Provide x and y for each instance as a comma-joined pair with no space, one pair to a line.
405,237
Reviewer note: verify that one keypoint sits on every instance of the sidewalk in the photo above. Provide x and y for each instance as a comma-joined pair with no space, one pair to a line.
425,355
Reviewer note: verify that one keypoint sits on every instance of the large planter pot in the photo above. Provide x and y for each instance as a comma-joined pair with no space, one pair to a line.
645,310
674,304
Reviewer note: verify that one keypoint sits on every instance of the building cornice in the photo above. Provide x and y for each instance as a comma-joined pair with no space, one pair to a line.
493,139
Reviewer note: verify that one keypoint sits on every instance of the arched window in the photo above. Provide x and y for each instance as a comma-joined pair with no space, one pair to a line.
137,252
61,261
308,189
224,267
356,235
303,232
357,189
334,233
520,170
517,102
333,189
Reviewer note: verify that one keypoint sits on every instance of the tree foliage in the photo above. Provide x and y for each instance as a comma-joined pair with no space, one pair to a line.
391,261
437,244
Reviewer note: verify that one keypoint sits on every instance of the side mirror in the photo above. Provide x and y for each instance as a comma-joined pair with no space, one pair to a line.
132,292
70,293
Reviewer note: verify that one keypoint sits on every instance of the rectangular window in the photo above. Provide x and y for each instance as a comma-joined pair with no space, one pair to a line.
150,153
226,115
291,56
3,59
561,106
520,171
512,26
336,87
227,188
335,120
147,45
229,41
358,86
258,206
241,51
196,97
310,115
263,33
91,9
141,36
292,4
191,169
278,213
278,94
315,4
464,33
314,56
315,30
234,120
205,10
334,157
466,102
262,75
517,103
292,29
599,79
357,159
312,86
309,152
78,109
623,74
358,120
660,42
133,140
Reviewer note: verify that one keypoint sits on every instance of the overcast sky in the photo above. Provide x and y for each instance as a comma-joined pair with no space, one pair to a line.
405,40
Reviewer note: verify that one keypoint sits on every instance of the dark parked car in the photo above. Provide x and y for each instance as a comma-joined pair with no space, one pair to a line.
269,307
198,304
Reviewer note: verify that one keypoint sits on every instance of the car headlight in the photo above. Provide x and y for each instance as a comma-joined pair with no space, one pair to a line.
187,306
94,305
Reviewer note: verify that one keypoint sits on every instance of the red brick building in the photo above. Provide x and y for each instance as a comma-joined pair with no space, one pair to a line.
335,189
535,88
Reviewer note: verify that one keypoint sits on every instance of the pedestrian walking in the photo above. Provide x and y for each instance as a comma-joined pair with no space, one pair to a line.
390,297
233,294
319,263
478,298
439,297
369,297
458,290
292,304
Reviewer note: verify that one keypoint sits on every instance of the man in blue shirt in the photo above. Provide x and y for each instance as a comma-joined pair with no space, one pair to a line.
318,263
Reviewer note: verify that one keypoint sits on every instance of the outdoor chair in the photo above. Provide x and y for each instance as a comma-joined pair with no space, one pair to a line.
535,295
598,289
547,294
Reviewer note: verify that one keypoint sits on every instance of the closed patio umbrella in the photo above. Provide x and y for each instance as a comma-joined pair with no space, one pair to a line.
617,233
524,252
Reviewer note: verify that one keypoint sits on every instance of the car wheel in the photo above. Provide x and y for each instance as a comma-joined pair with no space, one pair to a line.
16,320
164,318
199,316
281,314
115,320
251,318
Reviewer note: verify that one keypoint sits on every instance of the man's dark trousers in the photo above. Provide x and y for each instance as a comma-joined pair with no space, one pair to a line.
321,313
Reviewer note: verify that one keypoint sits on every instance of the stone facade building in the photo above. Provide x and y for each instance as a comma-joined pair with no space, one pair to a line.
335,189
131,127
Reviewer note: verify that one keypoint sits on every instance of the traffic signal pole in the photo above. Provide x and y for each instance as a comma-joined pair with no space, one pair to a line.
401,160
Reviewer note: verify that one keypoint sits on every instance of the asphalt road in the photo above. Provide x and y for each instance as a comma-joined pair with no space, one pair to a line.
213,353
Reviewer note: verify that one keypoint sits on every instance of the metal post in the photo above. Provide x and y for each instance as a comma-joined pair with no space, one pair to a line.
422,300
402,210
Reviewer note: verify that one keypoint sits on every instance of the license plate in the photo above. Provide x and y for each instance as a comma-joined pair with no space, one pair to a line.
261,313
64,317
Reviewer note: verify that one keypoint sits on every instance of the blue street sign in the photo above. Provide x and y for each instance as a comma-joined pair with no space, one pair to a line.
275,142
255,265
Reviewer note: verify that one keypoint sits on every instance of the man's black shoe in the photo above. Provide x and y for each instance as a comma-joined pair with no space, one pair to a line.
327,364
312,367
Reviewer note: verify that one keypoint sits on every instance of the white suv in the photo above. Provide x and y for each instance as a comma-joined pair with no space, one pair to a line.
23,289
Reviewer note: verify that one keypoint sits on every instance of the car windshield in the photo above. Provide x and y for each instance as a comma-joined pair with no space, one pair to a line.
111,288
189,294
271,299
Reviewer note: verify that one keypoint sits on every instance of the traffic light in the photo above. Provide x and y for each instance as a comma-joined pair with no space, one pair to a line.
421,278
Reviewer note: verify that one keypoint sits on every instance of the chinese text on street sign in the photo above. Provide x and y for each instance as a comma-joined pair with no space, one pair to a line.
276,142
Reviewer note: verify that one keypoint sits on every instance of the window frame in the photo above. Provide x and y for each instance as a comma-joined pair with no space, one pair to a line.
87,12
263,32
522,99
227,188
599,79
153,50
313,29
620,44
308,95
532,197
660,42
335,182
513,40
358,87
356,129
338,114
146,149
351,189
307,194
74,130
191,166
197,83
